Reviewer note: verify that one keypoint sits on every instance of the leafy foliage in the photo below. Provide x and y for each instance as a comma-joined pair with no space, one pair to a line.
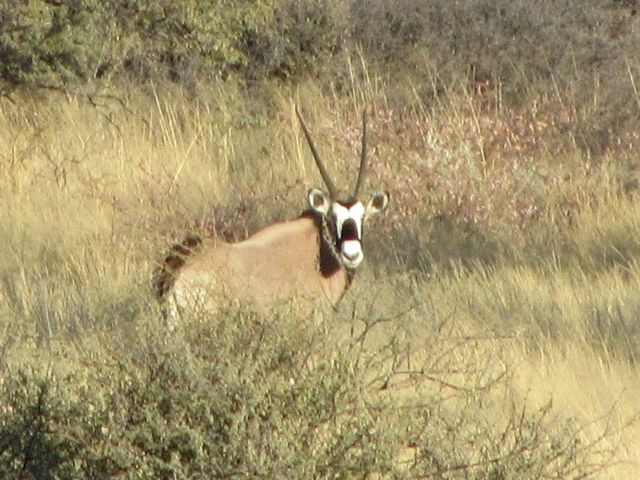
62,43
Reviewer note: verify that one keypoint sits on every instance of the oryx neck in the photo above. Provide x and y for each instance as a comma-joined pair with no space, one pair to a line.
328,256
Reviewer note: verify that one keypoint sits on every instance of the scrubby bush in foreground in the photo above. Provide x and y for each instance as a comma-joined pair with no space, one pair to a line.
266,397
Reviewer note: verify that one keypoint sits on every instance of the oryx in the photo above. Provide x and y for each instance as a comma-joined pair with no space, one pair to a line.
314,256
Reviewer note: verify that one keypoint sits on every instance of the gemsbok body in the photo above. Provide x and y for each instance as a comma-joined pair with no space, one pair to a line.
312,257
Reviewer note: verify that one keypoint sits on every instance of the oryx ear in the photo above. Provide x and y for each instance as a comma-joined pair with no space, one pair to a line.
378,204
318,201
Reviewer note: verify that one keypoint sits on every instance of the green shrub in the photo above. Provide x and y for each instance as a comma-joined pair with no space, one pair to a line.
71,43
301,39
274,397
50,45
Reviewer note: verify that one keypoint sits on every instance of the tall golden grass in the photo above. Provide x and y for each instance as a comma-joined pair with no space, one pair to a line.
501,233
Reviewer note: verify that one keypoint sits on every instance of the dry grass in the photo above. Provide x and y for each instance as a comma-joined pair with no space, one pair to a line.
517,253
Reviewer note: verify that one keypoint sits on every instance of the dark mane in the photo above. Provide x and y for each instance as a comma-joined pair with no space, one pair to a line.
165,275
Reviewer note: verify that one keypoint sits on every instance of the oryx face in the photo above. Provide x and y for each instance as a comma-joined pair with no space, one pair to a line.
345,223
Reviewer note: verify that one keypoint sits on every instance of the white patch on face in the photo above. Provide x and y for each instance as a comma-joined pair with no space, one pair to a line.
351,253
342,213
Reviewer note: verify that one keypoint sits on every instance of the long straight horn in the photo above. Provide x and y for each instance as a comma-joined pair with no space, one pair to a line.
323,171
363,155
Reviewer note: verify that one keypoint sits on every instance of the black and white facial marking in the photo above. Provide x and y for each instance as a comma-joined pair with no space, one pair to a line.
346,220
